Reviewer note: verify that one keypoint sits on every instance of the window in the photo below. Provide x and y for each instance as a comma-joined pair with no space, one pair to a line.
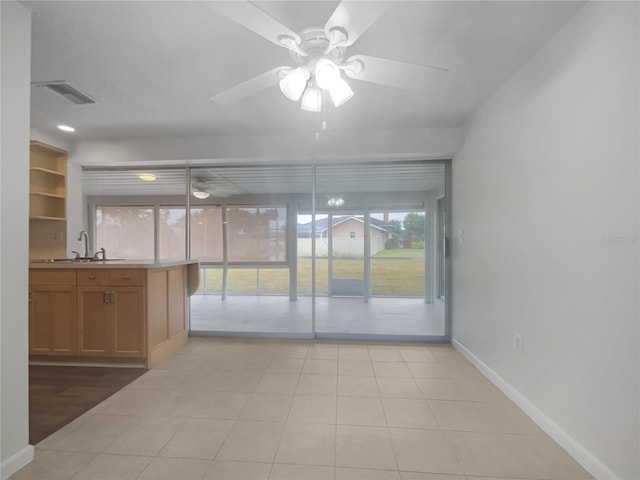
352,235
256,234
125,231
171,233
206,234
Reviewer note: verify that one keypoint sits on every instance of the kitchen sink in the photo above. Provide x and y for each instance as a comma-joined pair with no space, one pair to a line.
52,260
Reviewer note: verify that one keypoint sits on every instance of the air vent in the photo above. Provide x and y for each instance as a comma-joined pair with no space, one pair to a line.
65,90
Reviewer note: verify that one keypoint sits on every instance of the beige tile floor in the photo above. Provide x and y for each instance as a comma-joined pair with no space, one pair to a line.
268,409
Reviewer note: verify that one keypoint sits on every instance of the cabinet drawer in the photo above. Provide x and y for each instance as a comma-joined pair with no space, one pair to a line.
52,276
122,277
93,276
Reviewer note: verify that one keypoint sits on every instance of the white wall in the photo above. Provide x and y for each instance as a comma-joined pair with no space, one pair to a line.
423,143
546,191
15,39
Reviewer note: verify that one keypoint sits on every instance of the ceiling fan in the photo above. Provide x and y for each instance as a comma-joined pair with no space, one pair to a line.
320,56
202,189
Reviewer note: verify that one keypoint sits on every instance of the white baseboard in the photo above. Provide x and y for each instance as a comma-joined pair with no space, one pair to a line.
583,456
15,462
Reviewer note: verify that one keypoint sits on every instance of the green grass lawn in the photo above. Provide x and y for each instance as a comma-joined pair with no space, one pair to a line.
401,253
398,272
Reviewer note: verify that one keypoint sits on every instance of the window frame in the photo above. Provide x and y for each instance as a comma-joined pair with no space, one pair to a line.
172,201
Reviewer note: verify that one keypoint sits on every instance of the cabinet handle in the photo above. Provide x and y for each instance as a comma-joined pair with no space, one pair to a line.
113,297
126,278
105,297
29,297
92,277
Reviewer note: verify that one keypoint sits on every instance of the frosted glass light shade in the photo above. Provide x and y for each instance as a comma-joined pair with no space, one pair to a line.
294,83
327,74
312,99
340,92
201,194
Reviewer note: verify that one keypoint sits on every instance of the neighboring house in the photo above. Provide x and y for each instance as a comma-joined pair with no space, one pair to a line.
348,234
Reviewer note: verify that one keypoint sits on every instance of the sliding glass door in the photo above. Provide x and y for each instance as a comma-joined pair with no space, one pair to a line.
243,232
338,250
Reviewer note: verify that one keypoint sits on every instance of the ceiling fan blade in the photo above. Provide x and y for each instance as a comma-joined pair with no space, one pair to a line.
355,17
408,76
249,87
252,17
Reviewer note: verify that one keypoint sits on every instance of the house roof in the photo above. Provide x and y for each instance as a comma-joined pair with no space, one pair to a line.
322,224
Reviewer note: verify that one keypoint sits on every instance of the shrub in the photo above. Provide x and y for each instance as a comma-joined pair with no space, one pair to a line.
391,244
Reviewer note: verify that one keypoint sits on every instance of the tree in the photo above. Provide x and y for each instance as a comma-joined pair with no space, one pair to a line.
414,227
395,234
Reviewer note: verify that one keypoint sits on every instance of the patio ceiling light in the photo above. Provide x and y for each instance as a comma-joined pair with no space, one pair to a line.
335,201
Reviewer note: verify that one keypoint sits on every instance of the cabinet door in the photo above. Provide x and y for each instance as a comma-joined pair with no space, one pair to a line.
52,320
94,321
128,322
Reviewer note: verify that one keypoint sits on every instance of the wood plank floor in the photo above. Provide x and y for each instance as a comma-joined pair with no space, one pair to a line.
57,394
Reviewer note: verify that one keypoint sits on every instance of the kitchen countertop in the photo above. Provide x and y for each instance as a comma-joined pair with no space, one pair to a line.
148,264
193,267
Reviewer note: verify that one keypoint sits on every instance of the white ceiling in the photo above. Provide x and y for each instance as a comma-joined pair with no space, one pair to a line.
153,65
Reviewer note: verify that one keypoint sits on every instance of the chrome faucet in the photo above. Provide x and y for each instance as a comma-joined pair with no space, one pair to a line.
86,242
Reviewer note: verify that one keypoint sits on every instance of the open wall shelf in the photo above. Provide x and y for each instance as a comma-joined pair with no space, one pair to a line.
47,182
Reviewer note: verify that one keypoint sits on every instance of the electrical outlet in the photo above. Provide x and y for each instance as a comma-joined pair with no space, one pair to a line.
518,341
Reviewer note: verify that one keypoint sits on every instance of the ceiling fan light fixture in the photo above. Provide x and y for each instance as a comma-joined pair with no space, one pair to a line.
340,92
201,194
353,67
327,73
312,99
294,83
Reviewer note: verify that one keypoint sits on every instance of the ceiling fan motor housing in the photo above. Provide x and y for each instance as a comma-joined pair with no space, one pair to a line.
315,44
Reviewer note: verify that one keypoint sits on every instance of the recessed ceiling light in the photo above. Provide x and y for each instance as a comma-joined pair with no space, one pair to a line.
66,128
147,177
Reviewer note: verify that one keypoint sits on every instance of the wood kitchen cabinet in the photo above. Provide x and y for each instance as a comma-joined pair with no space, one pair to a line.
52,320
111,317
111,321
109,313
52,313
